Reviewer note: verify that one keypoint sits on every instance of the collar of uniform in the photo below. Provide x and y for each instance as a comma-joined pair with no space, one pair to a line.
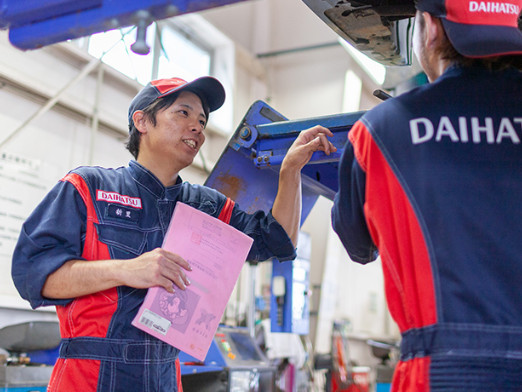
146,178
475,69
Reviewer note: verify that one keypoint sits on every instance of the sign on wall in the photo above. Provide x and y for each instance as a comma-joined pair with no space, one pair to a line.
23,184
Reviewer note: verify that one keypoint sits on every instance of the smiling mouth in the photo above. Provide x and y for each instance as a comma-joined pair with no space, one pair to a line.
191,143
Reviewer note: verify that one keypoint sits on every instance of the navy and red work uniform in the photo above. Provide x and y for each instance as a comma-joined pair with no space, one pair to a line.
432,182
97,214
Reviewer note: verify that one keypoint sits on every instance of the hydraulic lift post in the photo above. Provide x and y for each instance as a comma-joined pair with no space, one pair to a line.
248,172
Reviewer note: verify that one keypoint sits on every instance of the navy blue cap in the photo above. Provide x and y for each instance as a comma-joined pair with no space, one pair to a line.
208,87
478,28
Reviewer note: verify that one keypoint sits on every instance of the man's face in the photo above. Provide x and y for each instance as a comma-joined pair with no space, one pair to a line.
178,133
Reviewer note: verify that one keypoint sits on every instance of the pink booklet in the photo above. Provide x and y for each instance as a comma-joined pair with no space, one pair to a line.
188,319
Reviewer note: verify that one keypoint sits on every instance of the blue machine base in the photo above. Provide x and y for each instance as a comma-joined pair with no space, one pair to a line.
383,387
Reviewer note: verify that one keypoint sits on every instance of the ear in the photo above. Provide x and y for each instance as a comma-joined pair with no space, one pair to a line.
140,121
434,31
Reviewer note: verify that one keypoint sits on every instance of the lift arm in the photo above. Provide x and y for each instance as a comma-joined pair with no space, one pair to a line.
36,23
248,169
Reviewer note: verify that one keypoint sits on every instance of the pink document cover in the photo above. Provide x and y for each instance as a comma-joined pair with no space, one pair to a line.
188,319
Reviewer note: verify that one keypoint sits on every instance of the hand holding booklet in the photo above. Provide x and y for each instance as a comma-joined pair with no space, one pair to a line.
188,319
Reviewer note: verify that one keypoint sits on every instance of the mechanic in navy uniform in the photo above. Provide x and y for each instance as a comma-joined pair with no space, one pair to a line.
93,245
432,182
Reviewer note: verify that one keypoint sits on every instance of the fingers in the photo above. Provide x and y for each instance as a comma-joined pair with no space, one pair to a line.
317,137
177,282
318,129
308,141
181,280
176,259
160,267
320,142
324,144
175,270
166,284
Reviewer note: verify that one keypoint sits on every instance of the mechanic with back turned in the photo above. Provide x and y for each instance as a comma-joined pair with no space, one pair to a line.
93,245
432,182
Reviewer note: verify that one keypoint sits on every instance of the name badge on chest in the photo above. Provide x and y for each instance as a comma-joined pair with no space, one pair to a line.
123,213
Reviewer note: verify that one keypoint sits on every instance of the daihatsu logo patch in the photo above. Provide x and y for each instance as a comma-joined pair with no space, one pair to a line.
114,197
493,7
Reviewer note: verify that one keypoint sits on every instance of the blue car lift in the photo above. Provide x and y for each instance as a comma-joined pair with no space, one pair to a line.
248,172
248,169
33,24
